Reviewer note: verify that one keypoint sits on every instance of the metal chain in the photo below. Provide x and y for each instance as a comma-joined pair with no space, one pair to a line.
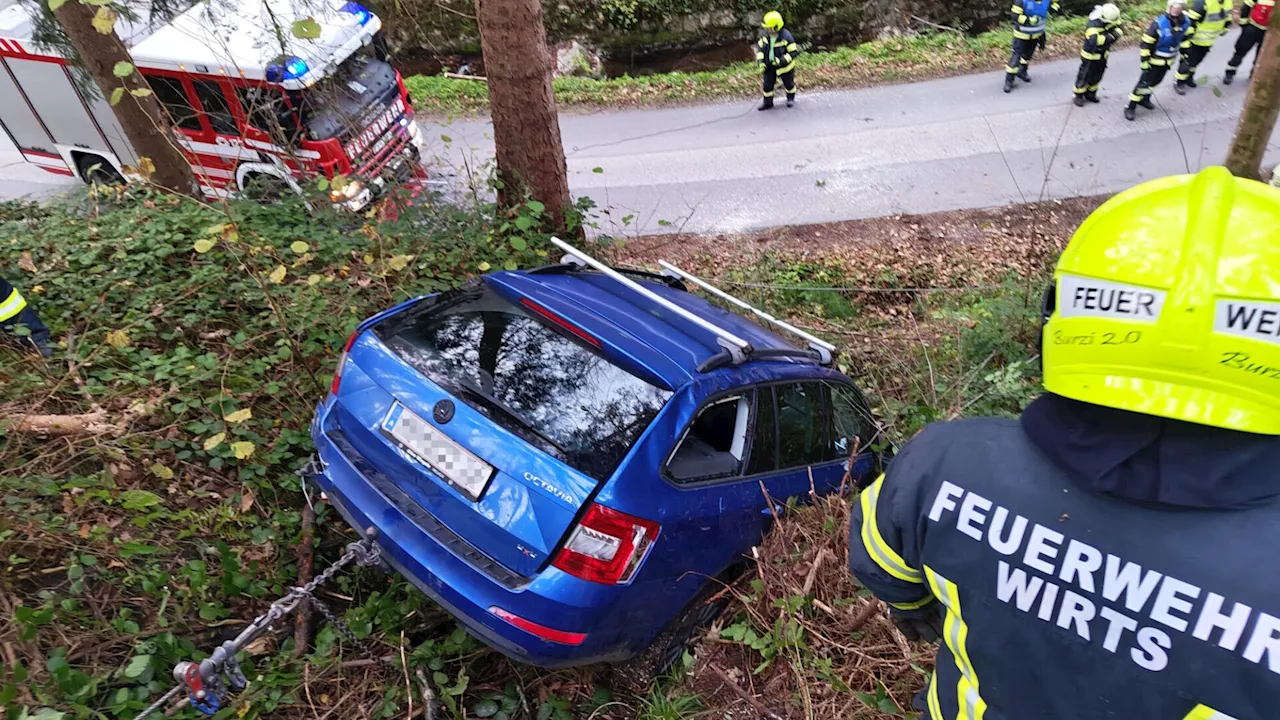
222,661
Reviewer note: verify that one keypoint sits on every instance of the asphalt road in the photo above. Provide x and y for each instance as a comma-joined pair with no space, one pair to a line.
937,145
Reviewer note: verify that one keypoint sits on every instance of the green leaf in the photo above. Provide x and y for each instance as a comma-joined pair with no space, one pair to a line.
485,709
88,560
138,499
242,450
122,69
306,29
519,243
322,184
203,245
598,171
399,262
299,247
536,206
45,713
446,138
524,222
115,94
141,92
138,665
53,6
75,572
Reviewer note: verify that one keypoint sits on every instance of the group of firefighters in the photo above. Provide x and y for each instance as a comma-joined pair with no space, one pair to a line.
1183,34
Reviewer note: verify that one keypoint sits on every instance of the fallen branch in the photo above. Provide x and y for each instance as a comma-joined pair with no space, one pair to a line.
948,28
763,711
90,423
866,613
813,571
456,76
306,557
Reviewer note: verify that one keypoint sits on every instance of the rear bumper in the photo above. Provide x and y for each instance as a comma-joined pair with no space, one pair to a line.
552,599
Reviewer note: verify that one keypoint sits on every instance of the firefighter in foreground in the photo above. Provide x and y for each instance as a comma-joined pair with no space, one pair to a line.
1208,21
1100,35
776,52
1100,556
15,311
1159,49
1030,19
1254,17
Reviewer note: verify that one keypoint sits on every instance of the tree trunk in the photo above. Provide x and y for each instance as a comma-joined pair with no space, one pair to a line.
1261,106
142,119
526,129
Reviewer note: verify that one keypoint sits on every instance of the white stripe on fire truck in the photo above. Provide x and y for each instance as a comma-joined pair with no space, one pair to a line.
216,192
305,154
205,171
227,151
43,161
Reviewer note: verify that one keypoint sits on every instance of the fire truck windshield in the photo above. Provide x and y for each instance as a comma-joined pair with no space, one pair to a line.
342,103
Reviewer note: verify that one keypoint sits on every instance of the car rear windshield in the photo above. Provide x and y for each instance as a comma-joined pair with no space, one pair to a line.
526,375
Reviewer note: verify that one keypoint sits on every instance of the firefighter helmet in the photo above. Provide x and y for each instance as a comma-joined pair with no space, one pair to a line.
1110,13
1165,302
1180,3
772,20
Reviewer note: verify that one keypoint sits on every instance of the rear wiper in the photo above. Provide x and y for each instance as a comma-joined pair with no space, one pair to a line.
469,388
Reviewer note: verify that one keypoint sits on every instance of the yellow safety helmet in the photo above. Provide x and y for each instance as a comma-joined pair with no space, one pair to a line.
1167,302
772,20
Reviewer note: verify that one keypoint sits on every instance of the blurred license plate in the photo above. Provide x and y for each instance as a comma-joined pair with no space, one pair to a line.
428,445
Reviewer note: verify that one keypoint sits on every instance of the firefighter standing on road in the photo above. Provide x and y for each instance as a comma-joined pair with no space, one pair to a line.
15,311
1209,20
1254,16
1030,19
1099,557
1100,35
1159,49
776,52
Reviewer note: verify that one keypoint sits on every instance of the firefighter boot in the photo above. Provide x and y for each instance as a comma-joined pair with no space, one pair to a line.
1092,96
791,99
1008,82
1190,82
1023,74
1228,76
1078,100
1129,112
1180,87
1146,103
767,104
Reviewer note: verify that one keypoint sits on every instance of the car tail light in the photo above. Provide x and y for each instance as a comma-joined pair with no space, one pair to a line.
342,361
606,546
542,631
560,322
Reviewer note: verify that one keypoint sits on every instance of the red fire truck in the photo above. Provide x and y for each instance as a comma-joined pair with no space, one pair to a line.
251,104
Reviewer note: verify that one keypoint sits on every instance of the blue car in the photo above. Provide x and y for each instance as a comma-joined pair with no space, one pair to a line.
572,459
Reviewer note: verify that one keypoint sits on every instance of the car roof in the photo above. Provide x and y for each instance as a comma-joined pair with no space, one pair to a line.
654,339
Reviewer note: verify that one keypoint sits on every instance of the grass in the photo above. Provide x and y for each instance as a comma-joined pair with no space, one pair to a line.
928,54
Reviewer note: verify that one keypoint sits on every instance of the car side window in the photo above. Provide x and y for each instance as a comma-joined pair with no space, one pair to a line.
764,436
849,422
714,445
801,425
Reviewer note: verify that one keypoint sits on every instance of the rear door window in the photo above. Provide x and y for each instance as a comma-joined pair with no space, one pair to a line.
173,97
764,434
528,374
850,423
801,425
215,107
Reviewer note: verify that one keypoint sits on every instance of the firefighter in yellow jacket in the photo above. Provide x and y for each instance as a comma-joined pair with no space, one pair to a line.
776,54
1209,20
15,313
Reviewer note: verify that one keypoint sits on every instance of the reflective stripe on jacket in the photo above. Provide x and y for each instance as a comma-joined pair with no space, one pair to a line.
1098,39
1258,12
1063,603
11,303
1161,43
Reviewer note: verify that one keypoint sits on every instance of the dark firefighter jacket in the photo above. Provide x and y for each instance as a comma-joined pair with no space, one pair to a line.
1031,17
1099,37
1162,41
777,51
1090,563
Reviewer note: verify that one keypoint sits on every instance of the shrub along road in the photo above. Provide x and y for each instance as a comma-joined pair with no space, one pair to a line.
938,145
943,144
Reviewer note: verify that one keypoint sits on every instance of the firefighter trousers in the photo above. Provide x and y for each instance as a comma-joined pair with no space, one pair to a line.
1151,77
1250,37
1023,51
771,79
1191,59
1090,76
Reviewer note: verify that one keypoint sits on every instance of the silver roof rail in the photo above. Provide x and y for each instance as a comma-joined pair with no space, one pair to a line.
822,347
737,347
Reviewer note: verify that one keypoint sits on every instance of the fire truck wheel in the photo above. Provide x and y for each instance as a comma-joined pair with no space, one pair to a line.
97,171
